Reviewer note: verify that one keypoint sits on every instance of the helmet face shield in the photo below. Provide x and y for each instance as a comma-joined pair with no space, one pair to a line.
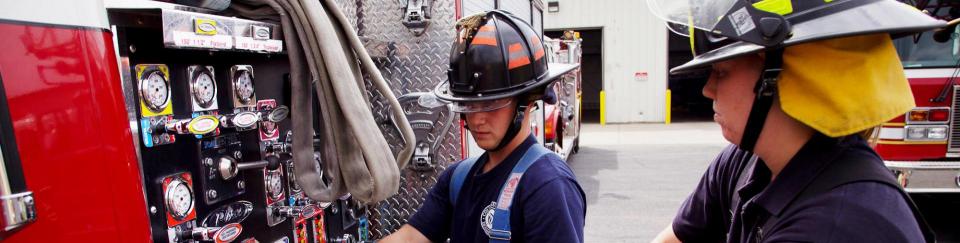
481,106
700,14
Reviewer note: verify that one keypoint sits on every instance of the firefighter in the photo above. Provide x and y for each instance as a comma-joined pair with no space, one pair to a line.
796,87
517,190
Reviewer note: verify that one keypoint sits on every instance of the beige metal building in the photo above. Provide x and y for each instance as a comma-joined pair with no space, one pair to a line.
625,54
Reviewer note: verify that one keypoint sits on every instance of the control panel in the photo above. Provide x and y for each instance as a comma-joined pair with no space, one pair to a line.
210,105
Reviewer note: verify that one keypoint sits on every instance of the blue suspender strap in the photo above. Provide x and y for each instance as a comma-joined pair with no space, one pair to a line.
460,175
500,232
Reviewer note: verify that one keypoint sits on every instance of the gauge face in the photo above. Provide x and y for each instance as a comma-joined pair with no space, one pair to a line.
155,90
244,86
204,89
269,128
179,199
274,185
318,165
294,186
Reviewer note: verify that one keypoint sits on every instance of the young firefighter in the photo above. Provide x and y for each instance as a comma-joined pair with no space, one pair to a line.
517,191
821,74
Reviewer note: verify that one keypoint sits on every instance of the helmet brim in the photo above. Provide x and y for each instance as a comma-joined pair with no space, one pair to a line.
892,17
554,71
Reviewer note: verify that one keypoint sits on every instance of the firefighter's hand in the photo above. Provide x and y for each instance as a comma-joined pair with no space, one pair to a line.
406,234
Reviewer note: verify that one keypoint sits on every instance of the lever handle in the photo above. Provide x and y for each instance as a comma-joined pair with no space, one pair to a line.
230,167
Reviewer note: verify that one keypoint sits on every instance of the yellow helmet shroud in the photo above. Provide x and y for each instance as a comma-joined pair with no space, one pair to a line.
828,61
845,85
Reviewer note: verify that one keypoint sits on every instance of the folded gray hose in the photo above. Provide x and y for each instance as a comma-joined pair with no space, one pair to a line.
356,156
301,98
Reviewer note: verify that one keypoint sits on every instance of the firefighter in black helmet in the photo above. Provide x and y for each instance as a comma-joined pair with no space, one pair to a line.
517,191
821,74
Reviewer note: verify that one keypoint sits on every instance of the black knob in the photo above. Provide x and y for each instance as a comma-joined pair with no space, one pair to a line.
273,162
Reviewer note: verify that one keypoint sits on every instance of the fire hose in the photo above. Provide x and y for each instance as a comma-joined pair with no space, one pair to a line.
325,51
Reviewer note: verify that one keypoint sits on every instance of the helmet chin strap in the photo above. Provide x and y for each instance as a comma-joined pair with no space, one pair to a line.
514,128
766,91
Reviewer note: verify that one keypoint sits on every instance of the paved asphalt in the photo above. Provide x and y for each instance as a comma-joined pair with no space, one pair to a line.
636,175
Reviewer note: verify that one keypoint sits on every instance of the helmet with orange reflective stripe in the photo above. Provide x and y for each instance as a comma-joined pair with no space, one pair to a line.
496,55
497,60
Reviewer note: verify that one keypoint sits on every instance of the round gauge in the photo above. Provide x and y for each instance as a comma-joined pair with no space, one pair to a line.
155,91
318,165
274,185
294,186
204,89
179,199
269,128
244,86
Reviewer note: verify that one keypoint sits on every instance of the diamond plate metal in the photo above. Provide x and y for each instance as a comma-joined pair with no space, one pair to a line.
410,64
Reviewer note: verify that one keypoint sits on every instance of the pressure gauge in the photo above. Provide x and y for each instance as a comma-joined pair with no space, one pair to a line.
318,164
179,199
243,86
318,168
294,186
155,91
204,89
274,185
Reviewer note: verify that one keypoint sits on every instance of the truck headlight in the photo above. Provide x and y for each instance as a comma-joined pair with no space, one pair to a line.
916,133
937,133
926,132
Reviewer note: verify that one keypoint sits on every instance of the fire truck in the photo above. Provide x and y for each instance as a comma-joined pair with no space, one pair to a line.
562,123
922,147
172,121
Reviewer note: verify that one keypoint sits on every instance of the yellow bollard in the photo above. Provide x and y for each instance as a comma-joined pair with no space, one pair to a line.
603,108
667,110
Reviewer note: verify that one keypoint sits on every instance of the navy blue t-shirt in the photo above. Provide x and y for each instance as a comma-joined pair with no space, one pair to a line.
549,205
856,212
